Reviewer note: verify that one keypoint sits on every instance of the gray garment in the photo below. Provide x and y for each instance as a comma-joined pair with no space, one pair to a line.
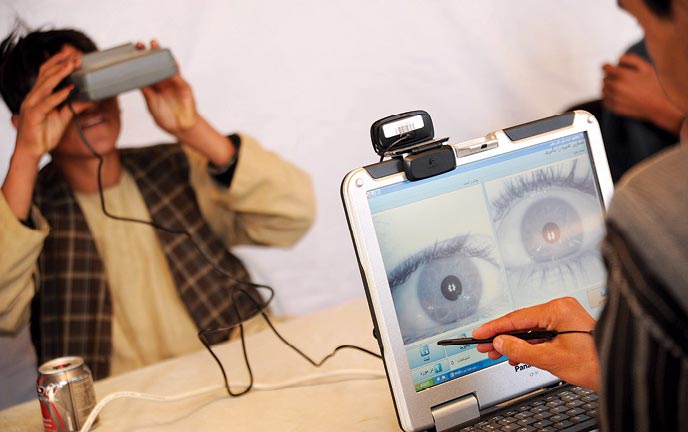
18,370
650,208
642,333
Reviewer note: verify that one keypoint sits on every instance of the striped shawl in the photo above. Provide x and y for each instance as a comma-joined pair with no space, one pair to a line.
72,310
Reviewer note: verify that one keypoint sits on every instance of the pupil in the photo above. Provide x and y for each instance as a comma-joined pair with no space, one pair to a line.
451,287
551,232
551,229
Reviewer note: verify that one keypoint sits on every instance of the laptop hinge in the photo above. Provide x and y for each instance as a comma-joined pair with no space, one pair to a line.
455,412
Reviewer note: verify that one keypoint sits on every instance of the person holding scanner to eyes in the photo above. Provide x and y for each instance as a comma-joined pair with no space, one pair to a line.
122,295
638,355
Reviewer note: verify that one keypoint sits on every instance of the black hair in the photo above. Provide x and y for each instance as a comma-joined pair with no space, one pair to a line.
22,56
661,8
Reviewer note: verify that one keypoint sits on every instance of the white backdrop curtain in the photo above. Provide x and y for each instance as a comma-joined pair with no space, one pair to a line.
307,78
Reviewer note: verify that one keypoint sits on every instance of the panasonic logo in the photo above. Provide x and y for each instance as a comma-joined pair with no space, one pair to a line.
521,367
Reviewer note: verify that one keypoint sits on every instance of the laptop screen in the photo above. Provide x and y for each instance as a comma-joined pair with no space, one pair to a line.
489,237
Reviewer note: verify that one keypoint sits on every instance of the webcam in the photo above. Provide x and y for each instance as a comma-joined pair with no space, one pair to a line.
411,137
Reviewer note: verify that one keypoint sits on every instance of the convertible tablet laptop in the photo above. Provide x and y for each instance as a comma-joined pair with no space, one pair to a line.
518,222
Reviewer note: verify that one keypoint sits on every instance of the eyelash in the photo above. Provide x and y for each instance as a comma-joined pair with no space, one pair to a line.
443,249
537,181
543,269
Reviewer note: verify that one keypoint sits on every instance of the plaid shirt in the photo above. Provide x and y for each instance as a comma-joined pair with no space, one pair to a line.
72,310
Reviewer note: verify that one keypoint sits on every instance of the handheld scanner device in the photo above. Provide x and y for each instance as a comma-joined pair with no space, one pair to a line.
107,73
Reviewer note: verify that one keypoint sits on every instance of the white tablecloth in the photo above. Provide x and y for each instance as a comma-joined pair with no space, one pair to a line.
360,405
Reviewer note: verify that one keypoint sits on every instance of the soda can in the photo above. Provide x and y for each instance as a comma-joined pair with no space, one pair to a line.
65,393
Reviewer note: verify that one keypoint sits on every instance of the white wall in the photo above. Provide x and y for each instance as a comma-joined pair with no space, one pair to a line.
309,77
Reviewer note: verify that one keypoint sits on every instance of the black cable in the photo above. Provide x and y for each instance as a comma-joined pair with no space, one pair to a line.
202,336
589,332
401,138
260,309
154,224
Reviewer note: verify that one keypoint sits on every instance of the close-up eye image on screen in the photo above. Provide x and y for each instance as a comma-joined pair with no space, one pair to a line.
548,224
443,268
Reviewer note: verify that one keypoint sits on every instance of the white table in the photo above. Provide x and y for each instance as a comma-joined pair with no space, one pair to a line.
352,405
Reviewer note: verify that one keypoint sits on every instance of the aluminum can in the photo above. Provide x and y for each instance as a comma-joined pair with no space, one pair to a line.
65,393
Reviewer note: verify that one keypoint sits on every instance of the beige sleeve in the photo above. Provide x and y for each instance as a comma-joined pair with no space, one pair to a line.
20,247
269,202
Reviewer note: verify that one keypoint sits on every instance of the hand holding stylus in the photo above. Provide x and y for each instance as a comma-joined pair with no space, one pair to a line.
573,357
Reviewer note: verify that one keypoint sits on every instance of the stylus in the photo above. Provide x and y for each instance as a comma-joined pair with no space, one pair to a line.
529,335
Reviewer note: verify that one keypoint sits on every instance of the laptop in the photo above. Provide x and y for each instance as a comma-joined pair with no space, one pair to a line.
518,222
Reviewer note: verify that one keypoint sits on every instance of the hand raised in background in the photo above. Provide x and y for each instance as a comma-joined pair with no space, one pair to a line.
632,89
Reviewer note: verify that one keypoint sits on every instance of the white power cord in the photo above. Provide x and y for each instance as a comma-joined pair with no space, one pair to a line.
348,374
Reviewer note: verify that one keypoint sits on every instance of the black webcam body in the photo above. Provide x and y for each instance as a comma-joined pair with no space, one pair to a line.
410,136
429,163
